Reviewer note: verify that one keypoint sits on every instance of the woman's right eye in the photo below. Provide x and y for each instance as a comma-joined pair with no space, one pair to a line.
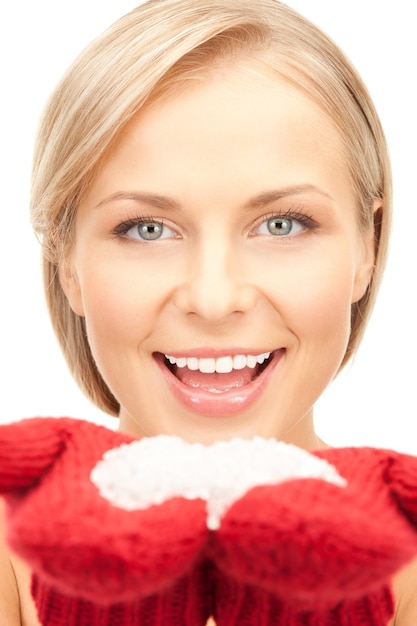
145,230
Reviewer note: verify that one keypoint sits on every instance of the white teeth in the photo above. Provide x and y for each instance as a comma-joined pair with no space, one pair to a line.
207,366
251,361
239,362
222,365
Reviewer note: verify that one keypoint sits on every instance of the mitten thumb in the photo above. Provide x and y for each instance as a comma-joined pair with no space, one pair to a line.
27,449
402,478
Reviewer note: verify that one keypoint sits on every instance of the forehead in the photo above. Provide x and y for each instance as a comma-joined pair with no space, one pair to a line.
239,123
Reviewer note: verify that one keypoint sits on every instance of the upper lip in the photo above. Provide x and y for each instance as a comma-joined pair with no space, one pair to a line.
204,353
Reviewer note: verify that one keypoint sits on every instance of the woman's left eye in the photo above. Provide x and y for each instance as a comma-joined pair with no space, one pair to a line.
145,230
281,226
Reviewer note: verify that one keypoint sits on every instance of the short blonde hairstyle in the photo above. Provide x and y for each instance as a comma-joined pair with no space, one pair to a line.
154,49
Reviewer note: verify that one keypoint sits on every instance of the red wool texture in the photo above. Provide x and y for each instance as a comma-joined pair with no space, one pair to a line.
303,552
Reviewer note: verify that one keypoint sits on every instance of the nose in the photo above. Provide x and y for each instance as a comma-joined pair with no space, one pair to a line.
216,285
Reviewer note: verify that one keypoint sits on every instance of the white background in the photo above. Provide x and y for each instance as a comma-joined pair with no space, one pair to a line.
374,402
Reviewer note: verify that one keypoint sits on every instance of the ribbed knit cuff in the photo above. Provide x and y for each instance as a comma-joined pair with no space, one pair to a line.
240,605
181,605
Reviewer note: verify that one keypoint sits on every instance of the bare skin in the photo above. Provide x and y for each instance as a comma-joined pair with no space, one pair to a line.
16,604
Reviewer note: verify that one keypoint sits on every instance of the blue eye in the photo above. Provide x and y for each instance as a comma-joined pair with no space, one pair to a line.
147,230
144,230
280,227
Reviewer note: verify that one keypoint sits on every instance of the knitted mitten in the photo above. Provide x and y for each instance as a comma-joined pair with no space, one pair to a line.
158,531
238,604
313,553
134,566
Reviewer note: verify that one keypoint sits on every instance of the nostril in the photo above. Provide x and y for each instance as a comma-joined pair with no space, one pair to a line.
215,296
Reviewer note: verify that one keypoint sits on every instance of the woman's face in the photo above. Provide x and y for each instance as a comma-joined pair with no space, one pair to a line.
216,258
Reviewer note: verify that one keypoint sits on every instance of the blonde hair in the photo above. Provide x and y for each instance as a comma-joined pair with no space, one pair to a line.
153,50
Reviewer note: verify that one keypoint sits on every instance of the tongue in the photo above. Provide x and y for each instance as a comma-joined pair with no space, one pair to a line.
216,383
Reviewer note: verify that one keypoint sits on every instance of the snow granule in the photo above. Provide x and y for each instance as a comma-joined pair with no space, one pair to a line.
154,469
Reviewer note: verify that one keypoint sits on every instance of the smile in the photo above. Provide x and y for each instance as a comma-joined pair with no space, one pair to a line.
221,365
218,385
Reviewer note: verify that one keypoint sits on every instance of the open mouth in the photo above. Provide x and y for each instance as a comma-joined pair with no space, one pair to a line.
218,386
218,375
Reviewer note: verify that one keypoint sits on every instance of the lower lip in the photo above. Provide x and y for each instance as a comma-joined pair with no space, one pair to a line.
224,404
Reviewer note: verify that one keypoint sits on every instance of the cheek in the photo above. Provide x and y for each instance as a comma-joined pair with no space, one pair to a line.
328,313
314,299
121,302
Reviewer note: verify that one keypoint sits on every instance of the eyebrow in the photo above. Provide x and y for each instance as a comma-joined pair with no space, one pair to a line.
156,200
259,201
278,194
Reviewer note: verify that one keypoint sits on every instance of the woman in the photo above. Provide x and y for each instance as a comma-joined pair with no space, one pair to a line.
212,191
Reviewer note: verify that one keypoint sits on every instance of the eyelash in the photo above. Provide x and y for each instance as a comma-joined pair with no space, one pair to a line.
123,228
304,219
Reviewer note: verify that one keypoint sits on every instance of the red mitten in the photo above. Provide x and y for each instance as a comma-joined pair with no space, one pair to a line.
27,450
79,545
401,475
238,604
308,549
163,532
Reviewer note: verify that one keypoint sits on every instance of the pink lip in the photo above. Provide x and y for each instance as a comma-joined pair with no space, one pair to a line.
230,402
206,353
